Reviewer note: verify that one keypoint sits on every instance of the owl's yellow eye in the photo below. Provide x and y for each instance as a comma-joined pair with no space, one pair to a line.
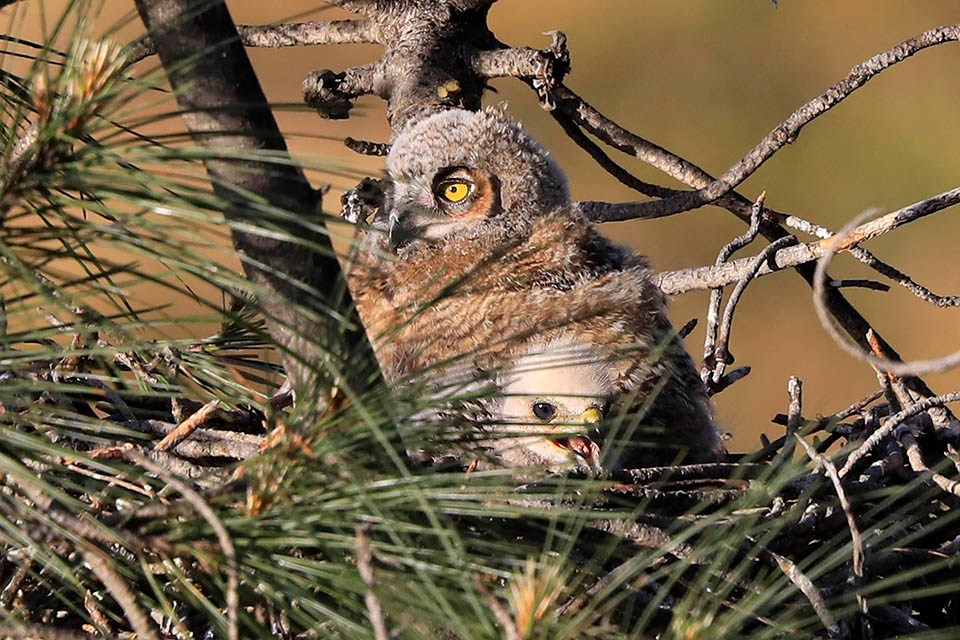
455,191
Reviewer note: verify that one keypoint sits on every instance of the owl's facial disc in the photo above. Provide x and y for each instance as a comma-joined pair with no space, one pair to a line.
459,198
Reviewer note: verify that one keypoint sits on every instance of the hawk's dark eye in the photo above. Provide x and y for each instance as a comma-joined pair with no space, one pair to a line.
544,410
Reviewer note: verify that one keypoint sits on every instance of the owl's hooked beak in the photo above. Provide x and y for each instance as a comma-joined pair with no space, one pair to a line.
403,229
410,215
396,232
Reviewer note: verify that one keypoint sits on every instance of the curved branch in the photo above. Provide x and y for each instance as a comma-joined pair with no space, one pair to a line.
787,131
840,241
892,423
710,189
877,265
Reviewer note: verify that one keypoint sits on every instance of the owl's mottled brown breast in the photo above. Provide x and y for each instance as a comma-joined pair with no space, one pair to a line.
484,295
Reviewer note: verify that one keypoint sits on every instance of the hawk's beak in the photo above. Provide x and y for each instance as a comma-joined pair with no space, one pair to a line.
586,447
591,416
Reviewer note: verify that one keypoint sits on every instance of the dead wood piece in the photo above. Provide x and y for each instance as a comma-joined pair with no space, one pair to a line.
915,458
188,426
204,443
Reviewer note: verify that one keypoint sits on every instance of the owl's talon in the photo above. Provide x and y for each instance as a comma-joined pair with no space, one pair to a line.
363,202
321,90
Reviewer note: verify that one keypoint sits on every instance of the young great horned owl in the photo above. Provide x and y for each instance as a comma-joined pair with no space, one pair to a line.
483,258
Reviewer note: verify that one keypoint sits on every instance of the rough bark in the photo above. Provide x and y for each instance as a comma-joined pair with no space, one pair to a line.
225,109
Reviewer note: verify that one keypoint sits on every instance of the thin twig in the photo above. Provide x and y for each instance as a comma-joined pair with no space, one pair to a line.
915,458
722,355
683,280
365,567
867,258
892,423
856,407
716,295
808,589
855,536
728,379
709,189
844,239
794,420
11,588
188,426
112,480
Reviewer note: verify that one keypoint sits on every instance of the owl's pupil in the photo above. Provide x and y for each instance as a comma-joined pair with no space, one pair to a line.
544,410
454,190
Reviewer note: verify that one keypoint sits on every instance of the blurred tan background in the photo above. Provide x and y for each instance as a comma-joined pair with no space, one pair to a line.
707,79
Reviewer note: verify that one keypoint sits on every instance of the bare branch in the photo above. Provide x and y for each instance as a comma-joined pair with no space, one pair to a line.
332,94
708,277
204,443
683,280
855,536
843,240
809,590
294,34
309,33
188,426
892,423
710,189
915,458
794,420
